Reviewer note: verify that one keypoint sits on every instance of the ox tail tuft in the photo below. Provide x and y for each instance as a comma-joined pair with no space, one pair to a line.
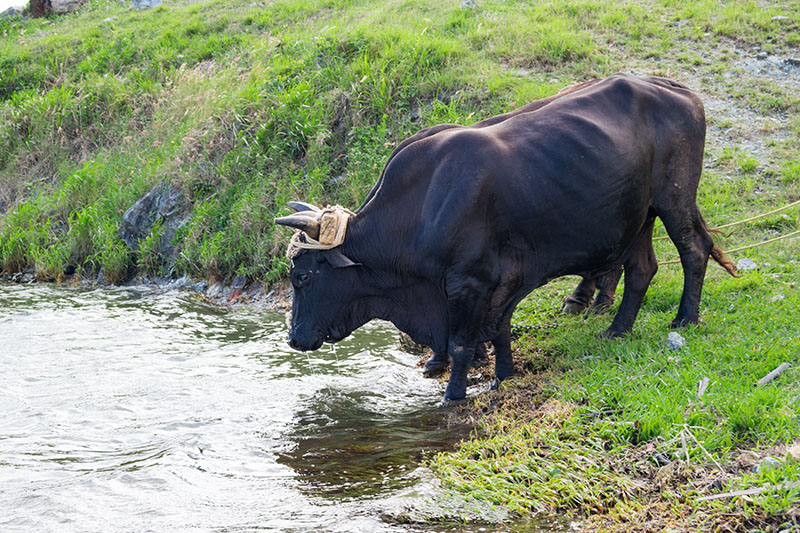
718,255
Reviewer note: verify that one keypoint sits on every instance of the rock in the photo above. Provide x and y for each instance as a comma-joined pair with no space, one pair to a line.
777,298
793,453
675,341
792,61
163,203
767,463
745,264
215,290
41,7
410,346
781,18
239,282
775,61
761,56
145,4
468,4
661,459
108,20
10,12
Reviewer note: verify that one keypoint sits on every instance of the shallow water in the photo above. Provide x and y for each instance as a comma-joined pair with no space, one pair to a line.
131,410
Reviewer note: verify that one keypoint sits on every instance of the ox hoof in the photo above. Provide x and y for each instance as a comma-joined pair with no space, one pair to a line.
495,384
599,308
680,323
452,402
434,368
572,307
479,361
611,334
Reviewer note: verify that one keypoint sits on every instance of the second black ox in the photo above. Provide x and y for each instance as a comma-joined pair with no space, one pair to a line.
466,221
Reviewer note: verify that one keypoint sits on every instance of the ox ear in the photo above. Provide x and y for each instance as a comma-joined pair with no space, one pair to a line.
337,259
302,206
301,221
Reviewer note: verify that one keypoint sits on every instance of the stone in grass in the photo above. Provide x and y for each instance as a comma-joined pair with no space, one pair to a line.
777,298
467,4
793,453
745,264
768,463
675,341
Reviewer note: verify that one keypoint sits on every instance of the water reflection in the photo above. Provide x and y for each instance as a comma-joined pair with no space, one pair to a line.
345,450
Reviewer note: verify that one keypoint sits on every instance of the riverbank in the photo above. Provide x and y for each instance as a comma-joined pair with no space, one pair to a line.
243,106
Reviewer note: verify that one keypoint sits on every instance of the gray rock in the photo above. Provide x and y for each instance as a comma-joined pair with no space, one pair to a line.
163,203
468,4
767,463
108,20
775,61
777,298
145,4
792,61
675,341
215,290
781,18
762,56
239,282
10,12
745,264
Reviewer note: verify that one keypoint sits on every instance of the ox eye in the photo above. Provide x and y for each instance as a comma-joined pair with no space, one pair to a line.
303,276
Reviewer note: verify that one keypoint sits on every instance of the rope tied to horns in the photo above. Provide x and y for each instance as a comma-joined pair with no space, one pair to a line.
333,222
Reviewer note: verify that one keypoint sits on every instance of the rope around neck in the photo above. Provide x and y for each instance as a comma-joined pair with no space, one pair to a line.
333,222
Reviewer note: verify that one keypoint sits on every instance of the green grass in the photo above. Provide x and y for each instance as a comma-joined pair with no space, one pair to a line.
245,108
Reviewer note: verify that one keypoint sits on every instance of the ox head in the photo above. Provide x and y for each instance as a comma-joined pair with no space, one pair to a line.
325,281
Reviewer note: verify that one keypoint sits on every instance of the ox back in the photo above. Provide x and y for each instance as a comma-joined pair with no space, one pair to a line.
466,221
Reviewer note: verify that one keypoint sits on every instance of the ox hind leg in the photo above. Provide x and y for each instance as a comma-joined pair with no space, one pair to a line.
640,267
581,297
689,233
606,288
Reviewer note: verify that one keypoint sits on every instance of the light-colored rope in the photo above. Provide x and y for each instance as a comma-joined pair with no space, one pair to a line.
792,234
731,224
333,222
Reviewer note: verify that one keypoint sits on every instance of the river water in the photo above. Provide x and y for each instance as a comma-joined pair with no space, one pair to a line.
126,409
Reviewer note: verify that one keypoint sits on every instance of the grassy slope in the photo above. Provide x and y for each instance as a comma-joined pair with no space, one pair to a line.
248,107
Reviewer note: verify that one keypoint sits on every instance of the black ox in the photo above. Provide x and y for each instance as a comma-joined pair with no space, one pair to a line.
466,221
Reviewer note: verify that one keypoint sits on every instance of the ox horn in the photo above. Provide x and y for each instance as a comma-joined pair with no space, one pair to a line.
301,221
302,206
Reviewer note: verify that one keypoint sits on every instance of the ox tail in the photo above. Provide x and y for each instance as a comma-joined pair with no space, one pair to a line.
717,254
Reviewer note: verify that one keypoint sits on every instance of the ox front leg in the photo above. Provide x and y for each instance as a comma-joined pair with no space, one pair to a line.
503,362
466,308
461,355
